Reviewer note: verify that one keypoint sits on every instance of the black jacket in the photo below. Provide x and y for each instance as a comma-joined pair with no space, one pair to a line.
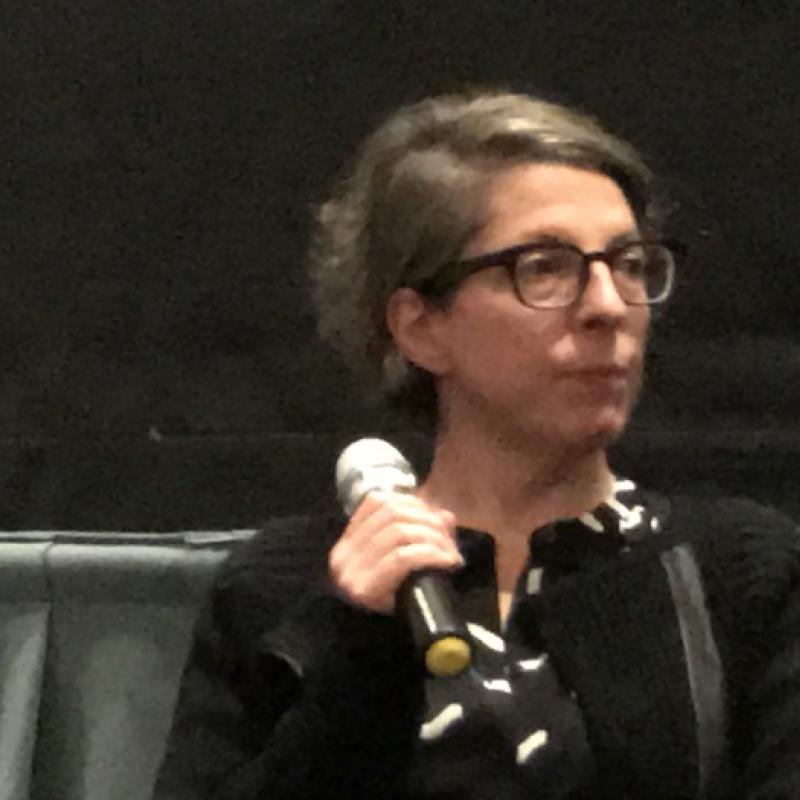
684,654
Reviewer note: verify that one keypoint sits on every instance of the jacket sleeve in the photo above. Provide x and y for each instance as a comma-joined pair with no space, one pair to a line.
291,692
753,563
772,707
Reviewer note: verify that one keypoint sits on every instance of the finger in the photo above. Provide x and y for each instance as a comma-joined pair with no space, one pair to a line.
398,565
402,536
397,500
377,589
406,507
372,502
381,535
388,529
356,566
406,533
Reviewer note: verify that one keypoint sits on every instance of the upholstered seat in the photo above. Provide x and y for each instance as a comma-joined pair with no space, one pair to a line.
94,631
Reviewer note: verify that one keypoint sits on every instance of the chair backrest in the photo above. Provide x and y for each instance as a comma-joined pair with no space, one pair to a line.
24,617
94,632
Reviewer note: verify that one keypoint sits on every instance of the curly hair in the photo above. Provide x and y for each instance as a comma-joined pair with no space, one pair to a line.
414,197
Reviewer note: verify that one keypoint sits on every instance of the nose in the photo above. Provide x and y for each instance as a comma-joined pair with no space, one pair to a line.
601,303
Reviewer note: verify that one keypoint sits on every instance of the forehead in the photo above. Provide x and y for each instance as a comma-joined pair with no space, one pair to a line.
535,199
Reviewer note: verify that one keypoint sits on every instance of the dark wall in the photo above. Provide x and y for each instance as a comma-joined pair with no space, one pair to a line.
158,364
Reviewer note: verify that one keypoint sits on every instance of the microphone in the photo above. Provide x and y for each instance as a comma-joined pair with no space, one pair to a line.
369,465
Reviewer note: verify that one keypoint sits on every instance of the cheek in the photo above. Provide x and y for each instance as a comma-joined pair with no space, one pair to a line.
481,353
511,344
640,323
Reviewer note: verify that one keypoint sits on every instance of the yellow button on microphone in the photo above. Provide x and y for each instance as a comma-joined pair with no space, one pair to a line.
448,657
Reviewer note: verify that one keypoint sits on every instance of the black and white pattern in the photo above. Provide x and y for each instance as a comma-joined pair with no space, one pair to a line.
510,718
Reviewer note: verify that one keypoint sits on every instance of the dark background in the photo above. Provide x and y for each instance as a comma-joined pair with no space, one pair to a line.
158,362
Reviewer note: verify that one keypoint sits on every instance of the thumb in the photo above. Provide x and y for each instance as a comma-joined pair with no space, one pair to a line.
449,519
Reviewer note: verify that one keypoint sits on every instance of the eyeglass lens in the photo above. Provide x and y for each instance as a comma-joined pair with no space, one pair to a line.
553,276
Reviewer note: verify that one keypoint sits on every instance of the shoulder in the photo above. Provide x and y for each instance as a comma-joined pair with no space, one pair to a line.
738,536
748,555
285,562
285,549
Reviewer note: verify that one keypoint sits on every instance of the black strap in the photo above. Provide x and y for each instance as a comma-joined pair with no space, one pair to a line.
703,662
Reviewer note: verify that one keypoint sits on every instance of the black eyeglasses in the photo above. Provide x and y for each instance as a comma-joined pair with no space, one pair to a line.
556,275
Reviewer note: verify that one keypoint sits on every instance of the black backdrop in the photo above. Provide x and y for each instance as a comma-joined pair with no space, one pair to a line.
158,364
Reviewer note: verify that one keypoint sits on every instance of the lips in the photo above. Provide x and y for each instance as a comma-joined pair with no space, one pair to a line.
600,371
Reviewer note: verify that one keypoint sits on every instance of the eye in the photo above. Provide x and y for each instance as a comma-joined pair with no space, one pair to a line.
632,261
546,262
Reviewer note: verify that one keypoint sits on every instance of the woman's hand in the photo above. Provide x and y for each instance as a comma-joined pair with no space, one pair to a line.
389,537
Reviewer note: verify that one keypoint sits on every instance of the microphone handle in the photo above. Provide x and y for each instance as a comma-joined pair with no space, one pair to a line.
425,600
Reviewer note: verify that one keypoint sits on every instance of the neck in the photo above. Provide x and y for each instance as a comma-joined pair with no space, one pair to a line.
510,489
510,483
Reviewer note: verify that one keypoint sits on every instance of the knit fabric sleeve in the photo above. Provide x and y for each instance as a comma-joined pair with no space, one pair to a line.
750,557
289,691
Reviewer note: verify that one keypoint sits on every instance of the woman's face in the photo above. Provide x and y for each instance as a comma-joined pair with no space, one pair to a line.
566,376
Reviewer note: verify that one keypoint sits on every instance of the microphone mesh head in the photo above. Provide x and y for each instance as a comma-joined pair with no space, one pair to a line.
371,465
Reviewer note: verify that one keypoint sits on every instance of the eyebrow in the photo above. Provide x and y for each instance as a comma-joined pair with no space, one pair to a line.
624,238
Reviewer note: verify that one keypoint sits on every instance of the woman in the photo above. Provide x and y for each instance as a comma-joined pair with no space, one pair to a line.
493,259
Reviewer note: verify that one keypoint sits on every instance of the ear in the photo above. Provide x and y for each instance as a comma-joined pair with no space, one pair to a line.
417,327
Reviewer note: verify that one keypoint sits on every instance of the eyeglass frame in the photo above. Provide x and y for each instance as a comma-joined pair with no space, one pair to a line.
443,281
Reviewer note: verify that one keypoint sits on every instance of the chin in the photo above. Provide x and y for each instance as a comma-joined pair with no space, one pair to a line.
595,419
595,442
601,432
